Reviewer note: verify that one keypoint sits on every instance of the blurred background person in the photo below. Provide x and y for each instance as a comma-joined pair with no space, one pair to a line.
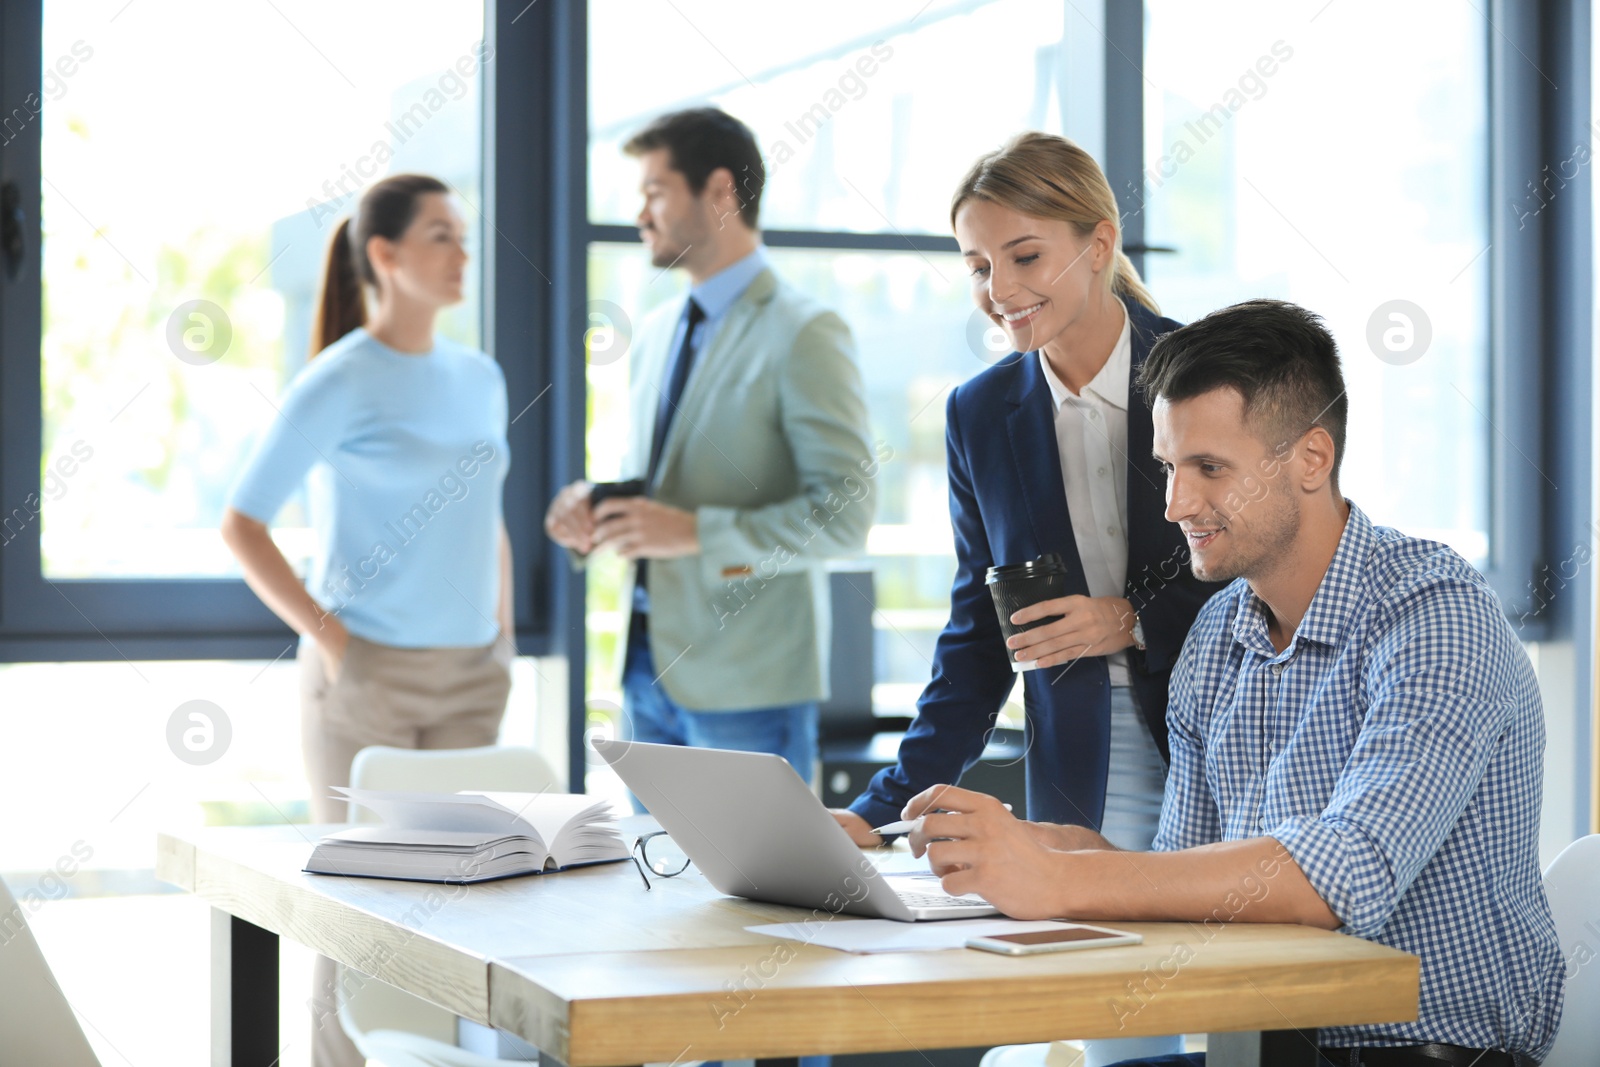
749,435
405,618
1049,452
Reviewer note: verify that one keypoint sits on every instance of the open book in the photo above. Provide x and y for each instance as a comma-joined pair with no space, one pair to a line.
469,837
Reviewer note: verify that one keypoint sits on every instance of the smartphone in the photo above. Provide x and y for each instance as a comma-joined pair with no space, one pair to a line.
1063,940
615,490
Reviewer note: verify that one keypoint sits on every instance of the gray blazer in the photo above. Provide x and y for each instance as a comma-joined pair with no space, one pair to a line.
770,450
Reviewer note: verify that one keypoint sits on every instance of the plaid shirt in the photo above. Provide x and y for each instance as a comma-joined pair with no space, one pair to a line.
1395,748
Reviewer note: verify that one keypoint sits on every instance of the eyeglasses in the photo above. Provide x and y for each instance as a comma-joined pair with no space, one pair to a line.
658,852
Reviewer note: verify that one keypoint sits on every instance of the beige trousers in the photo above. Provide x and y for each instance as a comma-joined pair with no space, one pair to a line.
402,697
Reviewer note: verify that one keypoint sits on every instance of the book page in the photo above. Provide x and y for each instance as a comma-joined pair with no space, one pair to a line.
468,836
547,813
438,811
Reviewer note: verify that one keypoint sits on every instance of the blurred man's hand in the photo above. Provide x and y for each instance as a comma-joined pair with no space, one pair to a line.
637,527
570,522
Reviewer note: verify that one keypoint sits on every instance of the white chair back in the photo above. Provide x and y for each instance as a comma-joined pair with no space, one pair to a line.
1572,883
504,768
389,1025
37,1024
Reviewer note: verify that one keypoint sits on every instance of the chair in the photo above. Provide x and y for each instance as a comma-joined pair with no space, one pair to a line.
37,1024
449,770
400,1048
1077,1053
1572,883
388,1025
1044,1054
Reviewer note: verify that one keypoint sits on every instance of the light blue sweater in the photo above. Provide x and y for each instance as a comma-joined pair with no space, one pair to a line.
407,456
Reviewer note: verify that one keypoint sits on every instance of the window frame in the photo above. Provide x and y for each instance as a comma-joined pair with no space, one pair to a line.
536,240
1540,289
202,618
1521,505
1122,32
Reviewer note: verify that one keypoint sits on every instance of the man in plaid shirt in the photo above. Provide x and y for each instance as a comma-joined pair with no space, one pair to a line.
1357,735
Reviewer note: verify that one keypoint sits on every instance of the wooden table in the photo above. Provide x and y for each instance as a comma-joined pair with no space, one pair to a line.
596,971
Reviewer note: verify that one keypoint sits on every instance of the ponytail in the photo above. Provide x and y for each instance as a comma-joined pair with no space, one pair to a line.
386,210
342,306
1125,280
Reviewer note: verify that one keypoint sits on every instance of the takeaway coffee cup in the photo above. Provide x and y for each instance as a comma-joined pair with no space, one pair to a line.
1018,585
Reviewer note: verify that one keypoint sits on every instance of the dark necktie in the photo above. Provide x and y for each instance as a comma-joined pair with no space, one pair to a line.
676,378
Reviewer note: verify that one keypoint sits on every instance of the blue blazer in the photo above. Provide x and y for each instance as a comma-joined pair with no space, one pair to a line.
1007,505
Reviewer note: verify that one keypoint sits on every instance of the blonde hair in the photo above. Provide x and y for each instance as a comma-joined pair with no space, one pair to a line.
1049,177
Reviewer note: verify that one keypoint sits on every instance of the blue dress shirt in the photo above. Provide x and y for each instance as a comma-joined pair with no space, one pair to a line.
1395,748
715,296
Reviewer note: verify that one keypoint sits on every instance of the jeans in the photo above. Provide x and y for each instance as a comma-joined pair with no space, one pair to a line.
649,714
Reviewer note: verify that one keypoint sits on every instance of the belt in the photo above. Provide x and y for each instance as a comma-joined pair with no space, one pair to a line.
1427,1056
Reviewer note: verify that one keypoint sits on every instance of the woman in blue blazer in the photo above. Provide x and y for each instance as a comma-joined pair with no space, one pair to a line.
1050,452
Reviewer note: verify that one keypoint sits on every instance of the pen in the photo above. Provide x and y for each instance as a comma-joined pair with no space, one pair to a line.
905,826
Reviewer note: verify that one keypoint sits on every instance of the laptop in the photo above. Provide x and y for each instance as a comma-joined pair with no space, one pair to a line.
756,830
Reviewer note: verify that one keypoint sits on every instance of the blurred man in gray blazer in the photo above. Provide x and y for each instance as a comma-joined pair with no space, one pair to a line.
749,431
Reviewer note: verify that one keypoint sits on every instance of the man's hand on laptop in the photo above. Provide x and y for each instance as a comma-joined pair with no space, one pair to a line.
859,830
977,846
1063,837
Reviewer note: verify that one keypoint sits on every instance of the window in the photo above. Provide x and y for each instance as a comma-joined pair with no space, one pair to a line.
866,120
1368,205
1221,129
865,133
161,297
178,285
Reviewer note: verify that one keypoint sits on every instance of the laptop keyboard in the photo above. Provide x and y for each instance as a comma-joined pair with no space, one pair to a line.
937,900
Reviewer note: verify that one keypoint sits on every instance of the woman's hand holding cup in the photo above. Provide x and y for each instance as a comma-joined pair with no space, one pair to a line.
1088,626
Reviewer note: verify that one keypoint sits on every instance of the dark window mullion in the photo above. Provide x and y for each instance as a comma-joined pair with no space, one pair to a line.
1518,335
825,240
1124,162
21,413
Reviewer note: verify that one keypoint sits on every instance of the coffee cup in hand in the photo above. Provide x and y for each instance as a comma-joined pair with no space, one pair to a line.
1019,585
602,491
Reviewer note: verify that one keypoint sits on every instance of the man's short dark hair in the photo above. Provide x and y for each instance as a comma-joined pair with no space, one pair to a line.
701,139
1277,356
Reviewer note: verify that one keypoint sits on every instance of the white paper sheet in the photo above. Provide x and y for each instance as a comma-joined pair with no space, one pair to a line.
849,934
899,862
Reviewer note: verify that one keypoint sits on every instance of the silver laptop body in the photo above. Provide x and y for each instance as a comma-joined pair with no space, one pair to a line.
756,830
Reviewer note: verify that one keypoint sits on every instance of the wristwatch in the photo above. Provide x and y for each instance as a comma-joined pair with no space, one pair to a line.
1138,632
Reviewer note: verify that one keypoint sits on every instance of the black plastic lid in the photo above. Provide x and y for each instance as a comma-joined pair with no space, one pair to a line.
1049,563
